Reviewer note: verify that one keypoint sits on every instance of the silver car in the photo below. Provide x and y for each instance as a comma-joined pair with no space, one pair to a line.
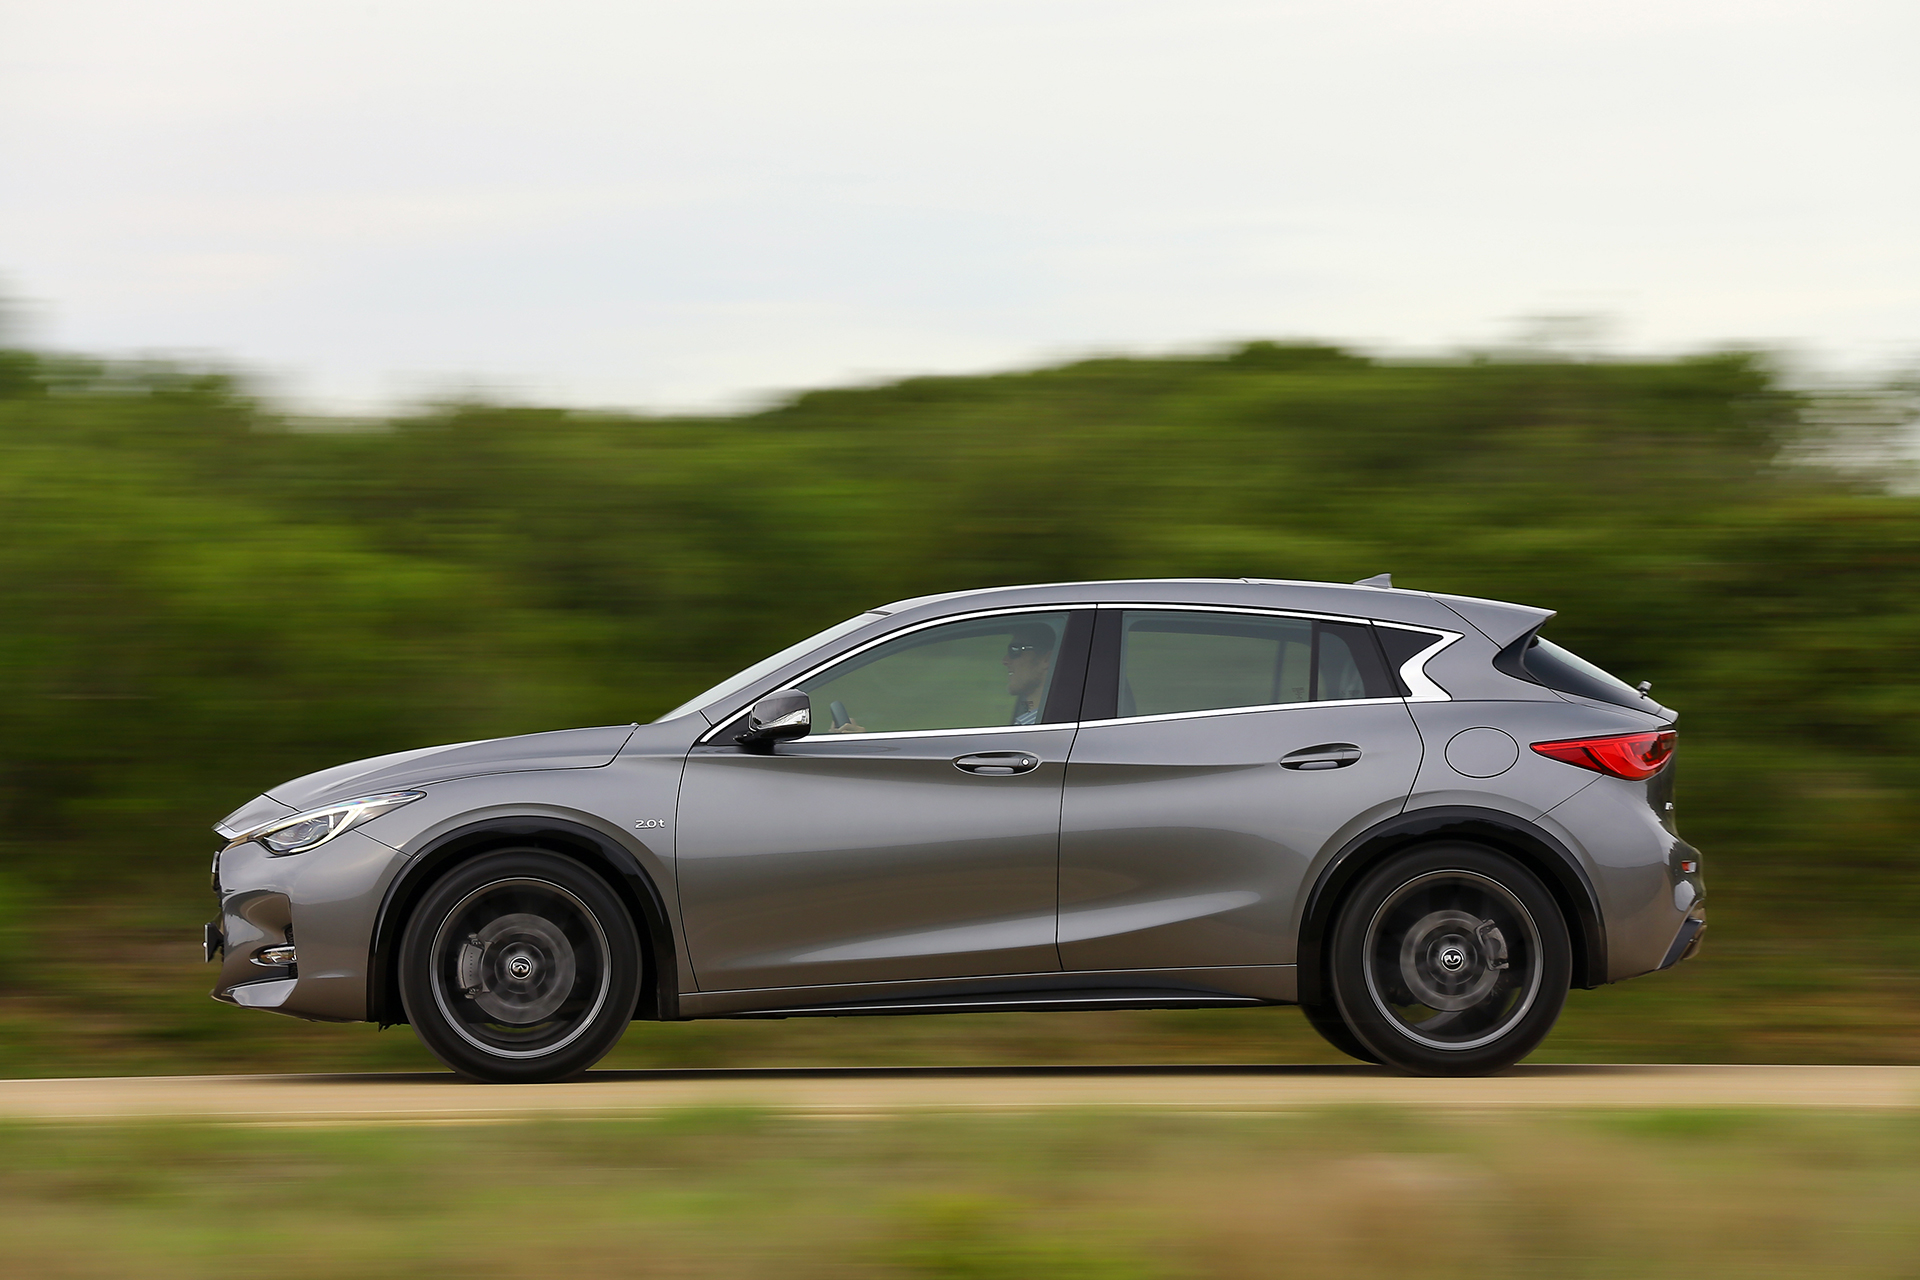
1405,812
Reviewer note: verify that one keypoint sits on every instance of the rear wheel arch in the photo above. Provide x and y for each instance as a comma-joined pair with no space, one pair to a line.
1550,860
659,997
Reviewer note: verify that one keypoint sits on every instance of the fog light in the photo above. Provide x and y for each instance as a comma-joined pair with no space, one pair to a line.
275,957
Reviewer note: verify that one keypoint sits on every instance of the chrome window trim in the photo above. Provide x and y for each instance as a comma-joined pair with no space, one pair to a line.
928,733
838,658
1249,711
1413,672
1162,607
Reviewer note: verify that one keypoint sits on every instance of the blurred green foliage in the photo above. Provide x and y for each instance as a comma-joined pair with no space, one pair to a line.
1323,1194
203,596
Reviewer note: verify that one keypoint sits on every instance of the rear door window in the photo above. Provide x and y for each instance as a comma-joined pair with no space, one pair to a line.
1177,661
1347,665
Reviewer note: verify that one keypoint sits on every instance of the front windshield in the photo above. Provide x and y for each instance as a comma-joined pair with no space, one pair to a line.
767,666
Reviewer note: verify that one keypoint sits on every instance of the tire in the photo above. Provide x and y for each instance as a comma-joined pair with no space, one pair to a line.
1325,1019
1450,960
520,966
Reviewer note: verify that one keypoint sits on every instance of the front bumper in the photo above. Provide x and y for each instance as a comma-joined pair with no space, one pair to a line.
294,934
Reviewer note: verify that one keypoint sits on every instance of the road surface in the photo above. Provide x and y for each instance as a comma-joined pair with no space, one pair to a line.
429,1097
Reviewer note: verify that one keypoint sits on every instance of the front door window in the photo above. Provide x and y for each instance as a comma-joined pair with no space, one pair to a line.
974,674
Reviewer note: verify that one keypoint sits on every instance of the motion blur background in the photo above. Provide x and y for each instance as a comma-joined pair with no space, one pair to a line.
899,298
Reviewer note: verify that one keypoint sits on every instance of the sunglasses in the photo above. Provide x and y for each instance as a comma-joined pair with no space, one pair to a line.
1015,650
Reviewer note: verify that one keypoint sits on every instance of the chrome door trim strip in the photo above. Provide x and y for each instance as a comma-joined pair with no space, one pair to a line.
1163,607
1248,711
921,733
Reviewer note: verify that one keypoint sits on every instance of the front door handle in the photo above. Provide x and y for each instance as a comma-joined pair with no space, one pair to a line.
997,764
1328,755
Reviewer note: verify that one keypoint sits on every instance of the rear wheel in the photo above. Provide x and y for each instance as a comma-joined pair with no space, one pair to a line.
1450,960
520,966
1323,1017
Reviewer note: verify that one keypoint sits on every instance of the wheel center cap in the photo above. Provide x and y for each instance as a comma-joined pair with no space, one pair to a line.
520,968
1452,959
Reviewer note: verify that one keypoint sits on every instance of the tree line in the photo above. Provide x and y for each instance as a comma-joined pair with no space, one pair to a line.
203,595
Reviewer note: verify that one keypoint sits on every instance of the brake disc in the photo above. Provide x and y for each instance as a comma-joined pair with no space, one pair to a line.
519,969
1445,961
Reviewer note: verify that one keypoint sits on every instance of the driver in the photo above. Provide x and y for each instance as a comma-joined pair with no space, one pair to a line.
1028,662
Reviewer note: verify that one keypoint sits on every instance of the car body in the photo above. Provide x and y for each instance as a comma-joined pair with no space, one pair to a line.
1175,817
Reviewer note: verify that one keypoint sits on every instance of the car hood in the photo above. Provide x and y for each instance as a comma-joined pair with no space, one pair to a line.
562,749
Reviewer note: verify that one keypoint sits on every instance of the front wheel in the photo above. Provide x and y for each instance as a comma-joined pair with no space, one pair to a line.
520,966
1451,960
1324,1017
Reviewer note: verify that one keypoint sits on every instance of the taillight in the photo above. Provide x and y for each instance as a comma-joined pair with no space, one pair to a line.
1633,756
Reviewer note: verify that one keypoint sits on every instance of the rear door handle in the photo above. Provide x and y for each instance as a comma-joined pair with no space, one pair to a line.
998,763
1328,755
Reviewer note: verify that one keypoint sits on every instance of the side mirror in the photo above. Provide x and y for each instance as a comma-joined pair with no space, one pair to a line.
776,718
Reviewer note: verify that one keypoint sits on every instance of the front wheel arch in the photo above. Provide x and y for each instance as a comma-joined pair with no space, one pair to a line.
659,998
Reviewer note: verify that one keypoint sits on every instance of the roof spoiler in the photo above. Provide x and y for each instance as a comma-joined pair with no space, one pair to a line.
1498,621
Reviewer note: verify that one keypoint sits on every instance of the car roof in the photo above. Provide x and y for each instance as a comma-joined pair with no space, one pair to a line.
1499,621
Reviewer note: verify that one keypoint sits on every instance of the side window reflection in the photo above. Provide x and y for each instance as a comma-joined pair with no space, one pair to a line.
1174,661
962,675
1340,674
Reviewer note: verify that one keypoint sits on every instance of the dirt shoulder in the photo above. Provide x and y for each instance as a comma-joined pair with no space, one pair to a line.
428,1096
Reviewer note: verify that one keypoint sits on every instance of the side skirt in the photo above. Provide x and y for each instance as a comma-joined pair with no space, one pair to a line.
1226,988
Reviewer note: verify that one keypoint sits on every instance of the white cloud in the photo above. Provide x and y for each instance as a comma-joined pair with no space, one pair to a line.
659,202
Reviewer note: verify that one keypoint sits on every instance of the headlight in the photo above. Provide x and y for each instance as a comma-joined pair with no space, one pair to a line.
313,828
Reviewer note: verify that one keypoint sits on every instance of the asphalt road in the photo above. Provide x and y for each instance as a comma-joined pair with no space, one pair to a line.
432,1097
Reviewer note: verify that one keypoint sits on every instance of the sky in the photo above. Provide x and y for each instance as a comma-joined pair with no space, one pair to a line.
703,203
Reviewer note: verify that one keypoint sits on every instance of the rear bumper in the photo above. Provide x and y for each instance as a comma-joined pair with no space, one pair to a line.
1686,943
1640,874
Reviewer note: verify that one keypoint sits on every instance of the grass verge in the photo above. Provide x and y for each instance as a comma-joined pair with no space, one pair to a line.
722,1194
